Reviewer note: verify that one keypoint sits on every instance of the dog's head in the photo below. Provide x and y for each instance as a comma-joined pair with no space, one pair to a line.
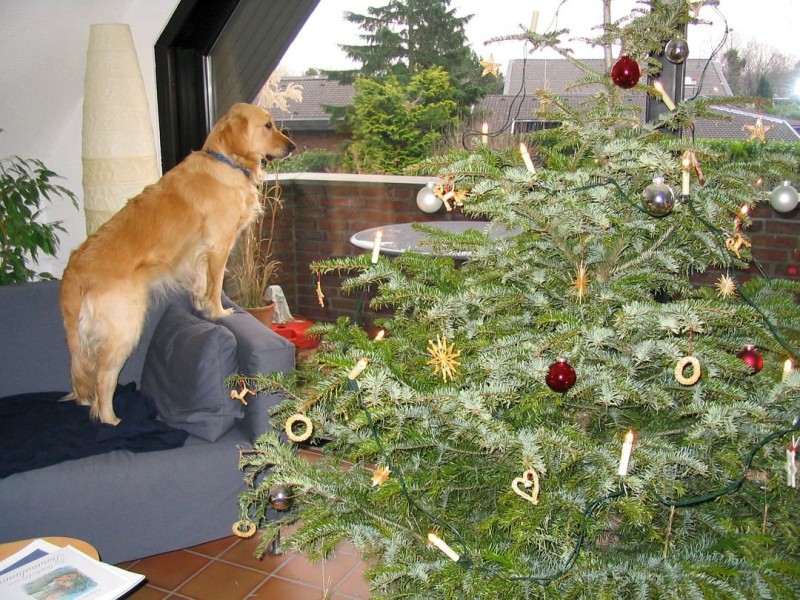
248,132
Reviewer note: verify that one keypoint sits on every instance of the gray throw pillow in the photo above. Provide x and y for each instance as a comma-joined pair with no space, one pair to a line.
184,372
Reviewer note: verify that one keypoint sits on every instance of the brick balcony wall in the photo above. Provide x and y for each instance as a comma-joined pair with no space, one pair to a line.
322,211
320,214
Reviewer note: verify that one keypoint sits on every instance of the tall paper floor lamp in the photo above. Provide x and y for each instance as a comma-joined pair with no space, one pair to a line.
119,155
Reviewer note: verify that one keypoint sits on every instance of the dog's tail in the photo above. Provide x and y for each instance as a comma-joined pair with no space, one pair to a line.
74,310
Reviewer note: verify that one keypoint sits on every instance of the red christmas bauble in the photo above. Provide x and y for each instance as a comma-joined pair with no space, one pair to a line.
626,72
792,271
560,376
752,358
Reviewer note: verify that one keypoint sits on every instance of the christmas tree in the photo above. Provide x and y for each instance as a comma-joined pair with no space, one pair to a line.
563,413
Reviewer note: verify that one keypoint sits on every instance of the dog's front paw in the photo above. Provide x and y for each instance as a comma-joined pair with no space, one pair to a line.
218,314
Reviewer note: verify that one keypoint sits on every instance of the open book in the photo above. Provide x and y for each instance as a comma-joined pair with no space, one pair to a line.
43,571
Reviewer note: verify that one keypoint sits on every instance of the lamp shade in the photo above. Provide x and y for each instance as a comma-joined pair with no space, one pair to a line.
119,156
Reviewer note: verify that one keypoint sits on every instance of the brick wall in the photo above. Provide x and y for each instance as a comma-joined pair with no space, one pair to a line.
776,245
322,211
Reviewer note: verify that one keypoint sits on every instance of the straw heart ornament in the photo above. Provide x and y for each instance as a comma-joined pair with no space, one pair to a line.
528,481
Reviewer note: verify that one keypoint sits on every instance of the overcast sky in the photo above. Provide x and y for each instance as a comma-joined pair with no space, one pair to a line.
771,22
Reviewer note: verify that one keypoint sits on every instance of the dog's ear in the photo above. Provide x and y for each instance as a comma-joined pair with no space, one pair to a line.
233,130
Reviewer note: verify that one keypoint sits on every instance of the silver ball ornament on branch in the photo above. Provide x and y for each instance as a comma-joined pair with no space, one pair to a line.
281,497
427,200
658,199
677,50
784,197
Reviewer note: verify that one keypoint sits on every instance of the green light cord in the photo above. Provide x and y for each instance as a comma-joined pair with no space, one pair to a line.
719,235
735,485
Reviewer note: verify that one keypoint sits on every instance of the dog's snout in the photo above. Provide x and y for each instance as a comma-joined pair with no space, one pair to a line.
292,147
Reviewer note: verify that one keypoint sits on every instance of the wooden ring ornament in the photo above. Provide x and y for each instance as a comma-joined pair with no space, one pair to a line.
303,435
681,366
520,485
244,528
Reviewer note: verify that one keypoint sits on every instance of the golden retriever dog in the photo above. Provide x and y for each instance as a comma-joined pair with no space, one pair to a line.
177,233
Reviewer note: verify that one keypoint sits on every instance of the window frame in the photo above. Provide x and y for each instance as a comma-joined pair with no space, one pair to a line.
186,88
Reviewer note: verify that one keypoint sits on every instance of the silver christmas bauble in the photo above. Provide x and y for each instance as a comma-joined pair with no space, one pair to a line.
658,198
280,496
784,197
677,50
427,201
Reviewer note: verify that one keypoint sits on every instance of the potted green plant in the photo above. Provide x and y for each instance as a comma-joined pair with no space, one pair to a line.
26,187
253,267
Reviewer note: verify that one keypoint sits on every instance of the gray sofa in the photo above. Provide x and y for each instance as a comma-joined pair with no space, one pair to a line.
134,504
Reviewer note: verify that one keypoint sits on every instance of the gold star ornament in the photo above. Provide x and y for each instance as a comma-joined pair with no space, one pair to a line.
443,358
489,66
758,131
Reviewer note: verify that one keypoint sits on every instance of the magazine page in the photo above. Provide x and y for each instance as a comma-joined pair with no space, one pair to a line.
66,574
30,552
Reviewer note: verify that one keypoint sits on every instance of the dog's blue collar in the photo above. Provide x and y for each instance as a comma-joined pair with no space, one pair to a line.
229,162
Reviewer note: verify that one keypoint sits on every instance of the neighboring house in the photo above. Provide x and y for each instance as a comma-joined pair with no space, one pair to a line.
308,122
514,110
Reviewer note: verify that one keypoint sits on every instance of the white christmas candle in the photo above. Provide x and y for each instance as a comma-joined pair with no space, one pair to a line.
376,245
625,458
485,133
686,164
534,20
356,371
788,367
526,158
791,465
664,95
442,545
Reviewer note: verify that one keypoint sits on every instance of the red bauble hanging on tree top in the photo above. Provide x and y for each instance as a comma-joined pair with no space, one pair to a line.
752,358
626,72
560,376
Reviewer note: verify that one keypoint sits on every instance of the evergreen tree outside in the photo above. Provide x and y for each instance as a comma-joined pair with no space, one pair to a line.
393,125
452,425
405,37
764,89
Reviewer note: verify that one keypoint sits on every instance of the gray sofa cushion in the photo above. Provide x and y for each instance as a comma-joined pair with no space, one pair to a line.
184,372
260,351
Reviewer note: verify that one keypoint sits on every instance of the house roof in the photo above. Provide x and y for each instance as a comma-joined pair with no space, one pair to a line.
318,92
558,74
703,78
735,122
504,114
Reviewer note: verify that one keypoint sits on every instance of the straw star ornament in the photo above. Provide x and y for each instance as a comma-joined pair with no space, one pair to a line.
726,286
380,475
758,131
443,357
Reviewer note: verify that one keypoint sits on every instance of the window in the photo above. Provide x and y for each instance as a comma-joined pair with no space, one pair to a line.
212,54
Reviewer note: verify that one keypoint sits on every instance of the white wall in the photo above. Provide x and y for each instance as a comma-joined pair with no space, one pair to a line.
43,48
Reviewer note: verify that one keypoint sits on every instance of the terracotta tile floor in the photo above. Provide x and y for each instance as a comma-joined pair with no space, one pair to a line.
227,570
